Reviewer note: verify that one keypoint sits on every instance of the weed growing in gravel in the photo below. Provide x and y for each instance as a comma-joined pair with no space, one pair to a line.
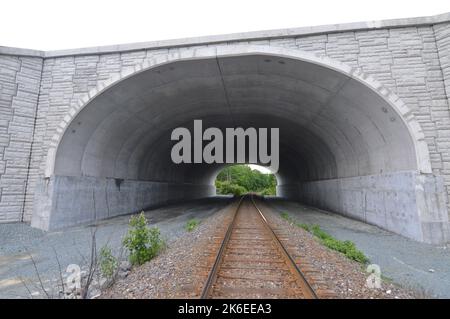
191,224
292,221
319,233
304,226
108,263
346,247
143,242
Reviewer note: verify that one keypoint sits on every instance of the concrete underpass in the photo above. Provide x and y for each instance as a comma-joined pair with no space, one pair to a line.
363,168
343,146
362,109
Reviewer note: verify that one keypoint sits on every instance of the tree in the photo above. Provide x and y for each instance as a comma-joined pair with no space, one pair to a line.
241,179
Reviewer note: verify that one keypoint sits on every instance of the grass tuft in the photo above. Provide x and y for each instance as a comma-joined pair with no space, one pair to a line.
346,247
191,224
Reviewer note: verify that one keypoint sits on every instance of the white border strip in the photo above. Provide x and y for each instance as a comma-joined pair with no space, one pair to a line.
244,36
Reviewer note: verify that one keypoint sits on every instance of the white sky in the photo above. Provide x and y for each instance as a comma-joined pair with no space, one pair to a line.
262,169
64,24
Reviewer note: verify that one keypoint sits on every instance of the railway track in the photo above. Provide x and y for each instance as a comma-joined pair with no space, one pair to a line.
252,261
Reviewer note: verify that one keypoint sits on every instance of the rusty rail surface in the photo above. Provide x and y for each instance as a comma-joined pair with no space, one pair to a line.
252,262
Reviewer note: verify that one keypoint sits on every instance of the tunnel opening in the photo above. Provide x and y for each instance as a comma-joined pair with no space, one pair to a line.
245,179
346,144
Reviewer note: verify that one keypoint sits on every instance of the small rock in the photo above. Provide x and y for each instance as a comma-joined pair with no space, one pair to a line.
389,291
94,293
431,270
103,282
71,296
125,265
122,274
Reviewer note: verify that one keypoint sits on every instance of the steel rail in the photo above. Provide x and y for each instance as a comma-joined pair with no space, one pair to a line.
306,287
307,290
213,273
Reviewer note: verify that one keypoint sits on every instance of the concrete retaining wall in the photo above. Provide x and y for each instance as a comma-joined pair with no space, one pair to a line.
407,203
78,200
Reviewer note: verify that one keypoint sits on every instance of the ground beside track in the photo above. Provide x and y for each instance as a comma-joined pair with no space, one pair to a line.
424,267
180,271
72,245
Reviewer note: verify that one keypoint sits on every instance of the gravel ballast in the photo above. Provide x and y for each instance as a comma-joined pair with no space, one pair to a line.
336,272
181,270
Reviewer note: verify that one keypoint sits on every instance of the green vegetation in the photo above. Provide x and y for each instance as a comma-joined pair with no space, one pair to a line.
143,242
241,179
226,187
304,226
286,216
346,247
108,263
191,224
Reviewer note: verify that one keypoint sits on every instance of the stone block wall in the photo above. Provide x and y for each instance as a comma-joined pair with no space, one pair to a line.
442,34
20,78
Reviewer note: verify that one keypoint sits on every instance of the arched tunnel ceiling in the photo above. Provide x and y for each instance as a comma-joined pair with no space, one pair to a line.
331,125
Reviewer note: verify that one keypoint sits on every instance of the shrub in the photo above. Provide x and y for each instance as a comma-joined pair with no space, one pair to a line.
191,224
269,191
251,180
143,243
108,263
226,187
